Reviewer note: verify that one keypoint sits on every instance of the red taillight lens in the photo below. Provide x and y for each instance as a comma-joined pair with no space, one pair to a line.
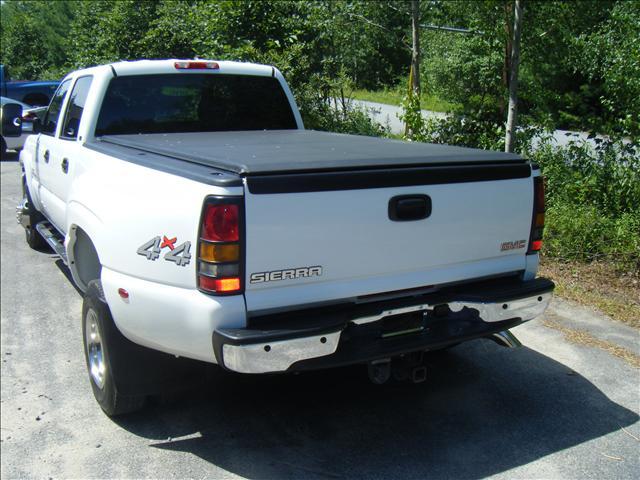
220,285
189,65
538,185
221,223
220,258
537,223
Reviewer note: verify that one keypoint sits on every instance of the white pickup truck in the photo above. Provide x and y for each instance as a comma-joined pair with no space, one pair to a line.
202,221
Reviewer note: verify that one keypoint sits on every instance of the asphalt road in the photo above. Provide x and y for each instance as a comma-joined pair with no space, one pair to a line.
550,409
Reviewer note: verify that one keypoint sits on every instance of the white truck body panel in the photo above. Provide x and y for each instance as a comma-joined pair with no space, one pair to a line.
171,319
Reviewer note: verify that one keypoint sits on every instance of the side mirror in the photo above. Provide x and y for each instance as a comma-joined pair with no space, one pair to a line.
11,120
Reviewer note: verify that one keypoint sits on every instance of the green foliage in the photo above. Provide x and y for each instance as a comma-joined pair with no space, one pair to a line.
610,55
579,59
21,36
33,37
593,201
477,129
412,117
467,69
579,62
104,32
581,232
606,177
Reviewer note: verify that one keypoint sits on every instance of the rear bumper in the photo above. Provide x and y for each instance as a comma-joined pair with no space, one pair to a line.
346,334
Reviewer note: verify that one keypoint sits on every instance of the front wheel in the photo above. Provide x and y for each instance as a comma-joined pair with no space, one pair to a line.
31,218
100,342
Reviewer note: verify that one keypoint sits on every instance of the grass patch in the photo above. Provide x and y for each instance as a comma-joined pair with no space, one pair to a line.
599,285
394,97
582,337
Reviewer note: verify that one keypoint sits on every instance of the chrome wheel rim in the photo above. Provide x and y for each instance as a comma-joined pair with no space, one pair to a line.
95,354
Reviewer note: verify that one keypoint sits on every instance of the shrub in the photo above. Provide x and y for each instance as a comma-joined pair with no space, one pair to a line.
593,201
606,177
474,129
581,232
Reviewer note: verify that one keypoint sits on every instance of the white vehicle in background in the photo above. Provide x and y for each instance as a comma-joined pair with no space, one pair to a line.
202,221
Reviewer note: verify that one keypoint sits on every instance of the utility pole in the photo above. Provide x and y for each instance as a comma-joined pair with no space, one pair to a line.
513,80
415,51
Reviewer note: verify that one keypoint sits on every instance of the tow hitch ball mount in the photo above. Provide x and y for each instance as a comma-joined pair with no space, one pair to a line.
406,367
411,366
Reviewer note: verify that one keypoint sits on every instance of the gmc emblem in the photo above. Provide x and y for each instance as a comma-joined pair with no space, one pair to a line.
518,244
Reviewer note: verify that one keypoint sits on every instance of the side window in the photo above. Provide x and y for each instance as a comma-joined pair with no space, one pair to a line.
53,112
75,106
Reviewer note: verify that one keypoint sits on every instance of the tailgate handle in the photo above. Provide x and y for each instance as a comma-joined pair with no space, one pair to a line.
405,208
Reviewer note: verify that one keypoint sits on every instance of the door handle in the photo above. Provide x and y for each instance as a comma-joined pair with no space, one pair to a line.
46,156
65,165
405,208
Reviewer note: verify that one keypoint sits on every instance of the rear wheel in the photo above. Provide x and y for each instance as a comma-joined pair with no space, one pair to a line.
102,340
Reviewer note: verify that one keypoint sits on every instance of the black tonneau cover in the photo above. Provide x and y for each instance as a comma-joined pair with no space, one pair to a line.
297,151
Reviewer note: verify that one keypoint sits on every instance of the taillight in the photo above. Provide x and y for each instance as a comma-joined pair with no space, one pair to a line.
196,65
221,223
537,223
220,246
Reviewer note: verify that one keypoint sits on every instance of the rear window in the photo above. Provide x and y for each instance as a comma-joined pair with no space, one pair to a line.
170,103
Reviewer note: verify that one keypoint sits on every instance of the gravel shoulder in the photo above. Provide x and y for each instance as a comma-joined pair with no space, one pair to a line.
555,408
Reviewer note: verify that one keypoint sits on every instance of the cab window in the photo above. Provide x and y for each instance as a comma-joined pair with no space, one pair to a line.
53,112
176,103
75,107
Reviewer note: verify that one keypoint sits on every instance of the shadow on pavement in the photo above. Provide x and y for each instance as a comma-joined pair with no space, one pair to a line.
66,272
484,410
10,156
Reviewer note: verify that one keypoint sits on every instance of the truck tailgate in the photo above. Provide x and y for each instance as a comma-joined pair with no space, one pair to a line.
319,237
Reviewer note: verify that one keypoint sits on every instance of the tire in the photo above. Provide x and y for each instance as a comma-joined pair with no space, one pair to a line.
33,238
102,343
4,148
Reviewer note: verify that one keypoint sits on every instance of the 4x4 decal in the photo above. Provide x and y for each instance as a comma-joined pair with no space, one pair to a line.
179,254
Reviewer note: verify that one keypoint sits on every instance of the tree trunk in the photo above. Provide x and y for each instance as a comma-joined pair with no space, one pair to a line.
513,80
415,51
508,41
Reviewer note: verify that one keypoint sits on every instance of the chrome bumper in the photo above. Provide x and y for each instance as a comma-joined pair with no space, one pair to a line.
276,355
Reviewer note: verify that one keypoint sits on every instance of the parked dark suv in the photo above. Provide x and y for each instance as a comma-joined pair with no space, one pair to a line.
34,93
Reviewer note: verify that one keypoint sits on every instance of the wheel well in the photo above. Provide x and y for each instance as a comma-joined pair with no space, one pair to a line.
36,99
83,258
